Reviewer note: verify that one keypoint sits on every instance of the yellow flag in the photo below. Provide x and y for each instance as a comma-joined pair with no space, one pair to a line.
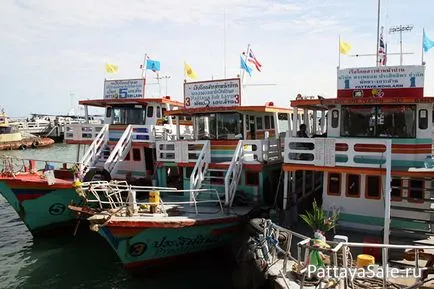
111,68
344,47
189,71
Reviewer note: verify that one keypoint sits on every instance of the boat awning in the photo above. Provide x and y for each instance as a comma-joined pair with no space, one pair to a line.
130,101
332,102
256,109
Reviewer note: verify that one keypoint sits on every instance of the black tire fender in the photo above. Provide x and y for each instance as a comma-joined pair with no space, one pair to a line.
90,175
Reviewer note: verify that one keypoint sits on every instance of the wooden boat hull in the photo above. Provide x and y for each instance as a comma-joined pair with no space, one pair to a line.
147,244
42,207
26,143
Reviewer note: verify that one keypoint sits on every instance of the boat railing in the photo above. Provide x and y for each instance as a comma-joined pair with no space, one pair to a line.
265,150
117,195
120,150
336,152
199,170
233,174
183,151
95,150
275,242
83,131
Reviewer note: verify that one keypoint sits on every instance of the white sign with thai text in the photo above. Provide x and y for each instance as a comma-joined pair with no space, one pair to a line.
410,76
124,88
214,93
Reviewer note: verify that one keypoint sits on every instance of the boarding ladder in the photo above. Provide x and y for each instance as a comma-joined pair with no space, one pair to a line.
230,177
94,153
120,151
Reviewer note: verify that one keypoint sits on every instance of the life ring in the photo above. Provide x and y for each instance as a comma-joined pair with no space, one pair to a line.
95,174
35,144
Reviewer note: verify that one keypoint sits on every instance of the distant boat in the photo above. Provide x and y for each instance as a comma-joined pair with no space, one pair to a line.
11,138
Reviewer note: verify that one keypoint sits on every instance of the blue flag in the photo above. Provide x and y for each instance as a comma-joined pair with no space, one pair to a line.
153,65
245,66
427,43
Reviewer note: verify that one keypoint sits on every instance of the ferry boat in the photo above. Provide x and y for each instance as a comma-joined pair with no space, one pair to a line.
371,166
123,147
210,183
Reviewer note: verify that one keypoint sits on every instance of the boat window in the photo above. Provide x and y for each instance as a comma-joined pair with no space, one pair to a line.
259,123
283,122
353,186
128,115
272,121
423,119
206,126
252,178
390,121
158,111
228,125
127,157
416,191
108,112
335,118
396,192
373,187
219,126
150,111
334,184
267,122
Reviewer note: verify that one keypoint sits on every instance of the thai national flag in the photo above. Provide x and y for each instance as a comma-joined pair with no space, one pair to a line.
251,58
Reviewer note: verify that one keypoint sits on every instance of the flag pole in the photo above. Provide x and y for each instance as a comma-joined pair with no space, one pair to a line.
245,60
185,73
378,35
144,74
339,52
242,74
423,37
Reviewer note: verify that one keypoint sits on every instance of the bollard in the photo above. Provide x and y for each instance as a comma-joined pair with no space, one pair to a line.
154,200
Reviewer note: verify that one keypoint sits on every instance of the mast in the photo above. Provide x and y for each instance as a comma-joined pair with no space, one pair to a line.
378,34
224,41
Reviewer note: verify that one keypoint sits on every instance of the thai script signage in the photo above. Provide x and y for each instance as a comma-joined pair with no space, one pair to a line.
215,93
124,88
384,81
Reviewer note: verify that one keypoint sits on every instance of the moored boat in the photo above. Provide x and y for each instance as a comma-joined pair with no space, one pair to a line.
123,148
12,139
229,165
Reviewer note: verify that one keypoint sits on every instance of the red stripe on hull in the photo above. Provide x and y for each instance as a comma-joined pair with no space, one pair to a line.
169,224
388,92
34,181
24,197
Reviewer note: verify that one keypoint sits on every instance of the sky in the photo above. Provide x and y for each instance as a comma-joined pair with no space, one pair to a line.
53,52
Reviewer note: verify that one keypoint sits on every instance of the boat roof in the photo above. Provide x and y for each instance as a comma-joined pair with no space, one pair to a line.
132,101
268,107
326,103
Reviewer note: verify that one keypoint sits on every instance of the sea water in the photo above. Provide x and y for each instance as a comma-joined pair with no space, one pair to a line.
85,261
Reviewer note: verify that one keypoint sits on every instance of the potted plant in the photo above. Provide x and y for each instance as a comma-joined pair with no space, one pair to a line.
320,223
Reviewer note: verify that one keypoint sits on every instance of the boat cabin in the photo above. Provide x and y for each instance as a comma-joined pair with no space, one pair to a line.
124,145
232,148
371,130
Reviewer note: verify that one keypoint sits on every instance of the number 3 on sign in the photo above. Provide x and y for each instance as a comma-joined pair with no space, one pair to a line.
187,101
237,98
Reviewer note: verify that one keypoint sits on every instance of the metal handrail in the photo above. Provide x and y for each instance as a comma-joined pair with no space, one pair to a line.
117,188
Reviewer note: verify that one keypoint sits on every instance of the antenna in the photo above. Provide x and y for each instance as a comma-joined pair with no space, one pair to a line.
400,29
166,77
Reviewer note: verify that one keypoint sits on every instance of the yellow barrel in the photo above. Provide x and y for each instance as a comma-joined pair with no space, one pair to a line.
154,197
364,260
